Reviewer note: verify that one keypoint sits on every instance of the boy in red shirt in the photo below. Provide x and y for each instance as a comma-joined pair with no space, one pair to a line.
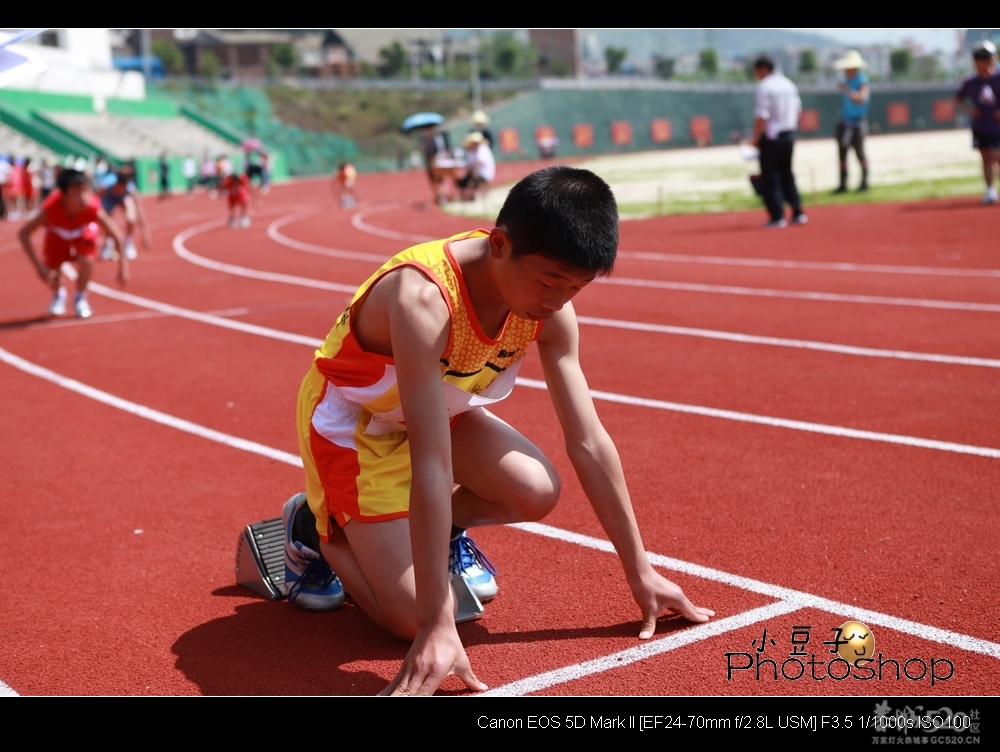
237,188
72,217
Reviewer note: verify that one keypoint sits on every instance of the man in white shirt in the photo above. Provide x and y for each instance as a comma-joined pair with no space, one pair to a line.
776,116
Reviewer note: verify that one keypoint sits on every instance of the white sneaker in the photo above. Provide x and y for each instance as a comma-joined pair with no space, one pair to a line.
82,307
244,222
130,252
108,251
58,305
991,196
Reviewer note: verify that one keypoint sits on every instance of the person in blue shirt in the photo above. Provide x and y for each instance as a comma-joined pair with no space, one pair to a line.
852,128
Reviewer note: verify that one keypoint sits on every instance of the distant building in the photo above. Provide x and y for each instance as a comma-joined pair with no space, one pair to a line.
558,51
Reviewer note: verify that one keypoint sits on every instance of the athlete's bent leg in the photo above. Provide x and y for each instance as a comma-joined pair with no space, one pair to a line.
502,477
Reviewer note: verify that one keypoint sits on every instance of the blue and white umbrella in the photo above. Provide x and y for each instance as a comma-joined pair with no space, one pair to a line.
421,120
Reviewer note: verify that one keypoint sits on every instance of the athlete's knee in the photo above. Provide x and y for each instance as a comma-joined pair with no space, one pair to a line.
537,491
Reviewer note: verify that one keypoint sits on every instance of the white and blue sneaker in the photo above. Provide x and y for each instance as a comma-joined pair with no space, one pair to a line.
467,560
310,582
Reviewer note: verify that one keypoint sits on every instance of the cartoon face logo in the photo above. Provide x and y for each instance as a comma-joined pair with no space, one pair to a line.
856,642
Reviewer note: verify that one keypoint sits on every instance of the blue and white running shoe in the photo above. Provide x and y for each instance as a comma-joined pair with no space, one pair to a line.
310,582
467,560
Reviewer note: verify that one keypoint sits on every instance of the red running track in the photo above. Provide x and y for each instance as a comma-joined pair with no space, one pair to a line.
842,460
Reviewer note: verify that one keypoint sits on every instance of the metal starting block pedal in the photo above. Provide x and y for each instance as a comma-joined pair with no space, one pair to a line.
260,567
260,558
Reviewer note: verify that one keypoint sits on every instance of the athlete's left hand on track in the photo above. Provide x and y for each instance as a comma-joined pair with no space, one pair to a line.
658,594
434,655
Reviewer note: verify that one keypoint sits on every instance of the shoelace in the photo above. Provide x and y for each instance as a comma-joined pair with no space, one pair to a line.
318,575
465,553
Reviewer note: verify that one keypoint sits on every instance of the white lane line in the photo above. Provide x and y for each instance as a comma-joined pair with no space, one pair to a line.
826,266
322,250
803,344
837,266
795,597
241,271
710,412
111,318
829,297
766,420
357,220
6,690
642,652
272,232
147,412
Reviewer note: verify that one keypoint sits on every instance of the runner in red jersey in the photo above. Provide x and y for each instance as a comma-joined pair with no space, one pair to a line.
237,188
72,217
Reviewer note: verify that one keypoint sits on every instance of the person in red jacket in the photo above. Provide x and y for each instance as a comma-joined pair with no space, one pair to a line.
72,217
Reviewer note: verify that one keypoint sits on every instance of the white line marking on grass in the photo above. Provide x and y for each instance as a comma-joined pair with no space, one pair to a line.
796,597
783,342
827,266
830,297
7,691
240,271
642,652
147,412
766,420
793,598
277,237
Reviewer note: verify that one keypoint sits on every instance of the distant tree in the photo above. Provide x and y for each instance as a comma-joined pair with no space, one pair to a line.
749,70
614,57
170,55
284,55
665,67
506,52
926,67
708,62
807,62
210,66
900,61
393,60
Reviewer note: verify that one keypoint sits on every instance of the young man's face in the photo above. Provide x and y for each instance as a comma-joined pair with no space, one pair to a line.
76,197
535,287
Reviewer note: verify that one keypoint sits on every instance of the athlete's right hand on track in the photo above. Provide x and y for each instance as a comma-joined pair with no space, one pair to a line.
435,654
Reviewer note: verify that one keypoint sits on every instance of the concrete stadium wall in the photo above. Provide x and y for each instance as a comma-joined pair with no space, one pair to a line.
593,120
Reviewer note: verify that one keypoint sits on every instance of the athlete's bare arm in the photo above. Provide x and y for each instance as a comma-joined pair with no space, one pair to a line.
49,276
111,229
598,466
405,316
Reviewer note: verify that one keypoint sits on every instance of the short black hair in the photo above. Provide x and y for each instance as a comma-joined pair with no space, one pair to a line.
69,178
563,214
763,61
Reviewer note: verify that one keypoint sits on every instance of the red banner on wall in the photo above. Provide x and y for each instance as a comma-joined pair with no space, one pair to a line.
898,113
701,129
944,111
621,133
544,131
510,140
583,135
660,131
809,121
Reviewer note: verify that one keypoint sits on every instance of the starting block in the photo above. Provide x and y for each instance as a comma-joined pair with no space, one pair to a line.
260,567
260,558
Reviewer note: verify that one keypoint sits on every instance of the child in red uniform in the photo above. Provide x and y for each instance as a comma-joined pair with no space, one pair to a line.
72,217
346,178
237,188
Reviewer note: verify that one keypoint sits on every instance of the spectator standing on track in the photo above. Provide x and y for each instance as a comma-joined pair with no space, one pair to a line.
190,174
853,124
776,116
392,416
72,217
210,176
164,171
983,90
479,122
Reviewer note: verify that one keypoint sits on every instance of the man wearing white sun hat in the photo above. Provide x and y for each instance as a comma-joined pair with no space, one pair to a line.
853,124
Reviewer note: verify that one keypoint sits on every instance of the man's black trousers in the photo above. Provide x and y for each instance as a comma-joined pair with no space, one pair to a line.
777,180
